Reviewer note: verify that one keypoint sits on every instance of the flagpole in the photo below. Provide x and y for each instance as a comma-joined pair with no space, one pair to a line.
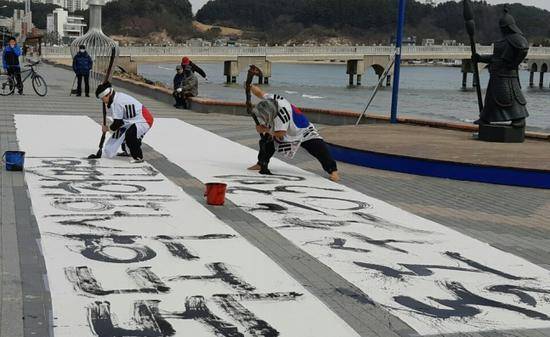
397,67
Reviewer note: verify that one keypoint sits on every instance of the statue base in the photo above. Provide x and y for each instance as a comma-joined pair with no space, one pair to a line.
501,133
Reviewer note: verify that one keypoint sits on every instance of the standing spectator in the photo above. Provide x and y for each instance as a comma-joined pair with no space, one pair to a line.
185,61
10,61
82,65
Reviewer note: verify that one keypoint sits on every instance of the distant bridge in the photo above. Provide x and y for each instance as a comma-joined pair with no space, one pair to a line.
358,58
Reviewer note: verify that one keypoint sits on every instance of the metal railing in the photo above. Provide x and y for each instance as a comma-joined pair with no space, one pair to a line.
289,51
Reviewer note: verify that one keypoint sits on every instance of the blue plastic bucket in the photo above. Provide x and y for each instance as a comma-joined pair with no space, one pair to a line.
15,160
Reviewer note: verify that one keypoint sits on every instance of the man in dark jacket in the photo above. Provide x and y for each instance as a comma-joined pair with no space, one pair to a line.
82,65
185,61
10,61
179,80
504,100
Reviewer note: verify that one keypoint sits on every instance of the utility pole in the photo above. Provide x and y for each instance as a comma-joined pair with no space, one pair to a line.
397,67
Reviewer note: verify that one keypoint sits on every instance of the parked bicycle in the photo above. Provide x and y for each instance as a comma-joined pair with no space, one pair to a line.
8,84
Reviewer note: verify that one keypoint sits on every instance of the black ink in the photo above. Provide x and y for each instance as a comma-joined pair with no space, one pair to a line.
179,250
83,279
414,269
275,208
260,180
358,204
463,305
479,266
292,189
314,224
339,244
382,243
520,292
196,309
302,206
234,190
96,246
254,326
149,322
220,272
382,223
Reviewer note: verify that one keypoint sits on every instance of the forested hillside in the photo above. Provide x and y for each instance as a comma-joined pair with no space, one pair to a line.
371,21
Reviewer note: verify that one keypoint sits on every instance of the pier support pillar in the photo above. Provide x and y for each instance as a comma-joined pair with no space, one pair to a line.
388,80
541,80
531,79
464,80
355,67
261,62
230,71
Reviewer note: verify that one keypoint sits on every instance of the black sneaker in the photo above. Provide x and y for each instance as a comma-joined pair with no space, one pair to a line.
123,154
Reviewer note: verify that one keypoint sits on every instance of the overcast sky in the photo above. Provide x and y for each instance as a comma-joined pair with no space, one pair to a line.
197,4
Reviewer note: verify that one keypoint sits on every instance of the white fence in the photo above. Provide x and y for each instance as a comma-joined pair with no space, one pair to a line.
230,52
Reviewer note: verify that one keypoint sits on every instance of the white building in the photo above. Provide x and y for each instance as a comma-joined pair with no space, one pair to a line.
67,27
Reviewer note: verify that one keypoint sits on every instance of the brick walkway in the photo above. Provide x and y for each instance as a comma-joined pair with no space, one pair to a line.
509,218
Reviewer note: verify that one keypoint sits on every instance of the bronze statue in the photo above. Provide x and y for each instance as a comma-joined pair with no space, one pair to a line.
504,100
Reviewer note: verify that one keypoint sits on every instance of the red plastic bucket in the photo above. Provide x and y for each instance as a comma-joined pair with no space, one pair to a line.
215,193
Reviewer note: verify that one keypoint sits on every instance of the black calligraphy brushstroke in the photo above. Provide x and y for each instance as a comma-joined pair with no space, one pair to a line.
83,279
381,223
268,207
292,189
101,322
358,296
418,270
96,205
339,244
179,250
234,190
146,279
255,326
86,223
114,197
116,214
276,296
520,292
358,204
220,272
302,206
95,246
74,188
382,243
197,237
314,224
463,306
260,180
196,309
479,266
386,271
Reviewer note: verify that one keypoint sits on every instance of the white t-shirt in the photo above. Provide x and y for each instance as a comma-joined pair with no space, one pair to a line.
290,119
129,109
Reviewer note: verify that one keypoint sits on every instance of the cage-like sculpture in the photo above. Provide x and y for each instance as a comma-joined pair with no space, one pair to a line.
98,45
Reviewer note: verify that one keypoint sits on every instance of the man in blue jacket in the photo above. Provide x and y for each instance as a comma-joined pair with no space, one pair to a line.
82,65
10,61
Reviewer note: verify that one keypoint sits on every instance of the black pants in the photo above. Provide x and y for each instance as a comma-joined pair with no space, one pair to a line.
86,84
315,147
180,99
133,143
16,73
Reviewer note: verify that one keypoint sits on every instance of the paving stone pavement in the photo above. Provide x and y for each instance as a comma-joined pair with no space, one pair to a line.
512,219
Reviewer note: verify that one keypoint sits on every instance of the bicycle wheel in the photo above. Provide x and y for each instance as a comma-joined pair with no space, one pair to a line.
39,85
7,85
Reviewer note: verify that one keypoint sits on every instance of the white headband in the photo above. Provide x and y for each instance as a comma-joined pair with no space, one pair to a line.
105,92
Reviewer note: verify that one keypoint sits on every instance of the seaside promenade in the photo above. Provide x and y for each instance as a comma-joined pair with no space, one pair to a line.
510,220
